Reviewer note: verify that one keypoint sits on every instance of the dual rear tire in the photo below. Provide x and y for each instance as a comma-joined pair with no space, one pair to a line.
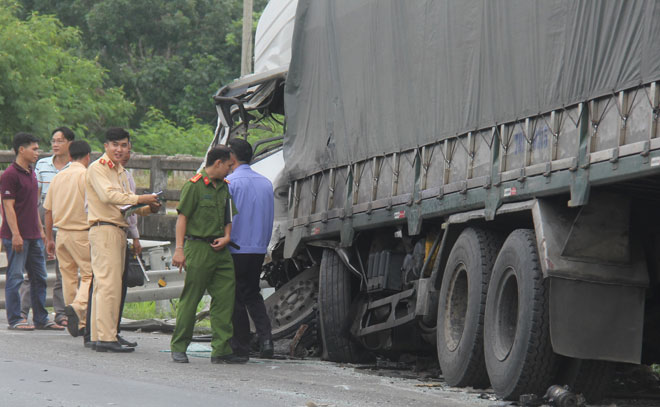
462,300
494,323
517,348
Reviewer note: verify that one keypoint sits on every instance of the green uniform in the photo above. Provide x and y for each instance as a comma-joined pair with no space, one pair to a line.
207,212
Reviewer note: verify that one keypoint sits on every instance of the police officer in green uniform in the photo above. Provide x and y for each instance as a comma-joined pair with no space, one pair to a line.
204,221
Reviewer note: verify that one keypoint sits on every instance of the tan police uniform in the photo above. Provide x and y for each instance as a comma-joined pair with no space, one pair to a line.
107,190
66,200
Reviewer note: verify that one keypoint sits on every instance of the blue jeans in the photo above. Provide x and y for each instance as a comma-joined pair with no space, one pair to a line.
33,260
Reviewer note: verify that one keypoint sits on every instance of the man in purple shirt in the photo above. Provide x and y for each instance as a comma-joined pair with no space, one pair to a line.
251,230
22,236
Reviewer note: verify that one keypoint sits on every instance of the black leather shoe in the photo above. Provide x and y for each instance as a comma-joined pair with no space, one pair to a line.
230,359
179,357
103,346
266,349
90,345
72,321
126,343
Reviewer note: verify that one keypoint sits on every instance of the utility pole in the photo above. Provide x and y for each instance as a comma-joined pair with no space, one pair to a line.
246,46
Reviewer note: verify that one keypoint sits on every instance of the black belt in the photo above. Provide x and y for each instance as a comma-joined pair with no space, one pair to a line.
107,224
203,239
211,239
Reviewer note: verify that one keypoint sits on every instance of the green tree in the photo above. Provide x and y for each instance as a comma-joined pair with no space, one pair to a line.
159,135
170,54
45,82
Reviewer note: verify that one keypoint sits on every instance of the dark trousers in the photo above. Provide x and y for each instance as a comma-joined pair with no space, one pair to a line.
248,301
33,259
88,330
58,296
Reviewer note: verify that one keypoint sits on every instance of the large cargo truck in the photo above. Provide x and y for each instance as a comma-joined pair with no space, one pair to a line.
473,177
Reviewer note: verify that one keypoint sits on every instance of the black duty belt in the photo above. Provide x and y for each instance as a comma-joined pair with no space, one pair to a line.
107,224
203,239
211,239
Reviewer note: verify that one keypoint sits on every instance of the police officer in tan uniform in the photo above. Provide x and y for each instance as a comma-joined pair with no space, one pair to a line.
65,210
107,190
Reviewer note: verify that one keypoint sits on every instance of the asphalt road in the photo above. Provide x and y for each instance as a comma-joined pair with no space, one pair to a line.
42,368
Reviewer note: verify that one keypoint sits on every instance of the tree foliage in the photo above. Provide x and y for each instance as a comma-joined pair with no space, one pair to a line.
77,62
45,81
159,135
168,54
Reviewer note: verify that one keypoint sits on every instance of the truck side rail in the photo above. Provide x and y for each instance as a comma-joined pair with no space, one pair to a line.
568,150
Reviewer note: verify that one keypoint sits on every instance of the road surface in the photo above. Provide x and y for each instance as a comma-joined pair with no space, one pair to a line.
52,369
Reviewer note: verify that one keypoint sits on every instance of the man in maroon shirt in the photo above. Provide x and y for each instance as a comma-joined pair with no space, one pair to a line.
22,236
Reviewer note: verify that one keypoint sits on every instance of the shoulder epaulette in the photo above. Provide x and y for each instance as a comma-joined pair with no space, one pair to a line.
196,178
103,161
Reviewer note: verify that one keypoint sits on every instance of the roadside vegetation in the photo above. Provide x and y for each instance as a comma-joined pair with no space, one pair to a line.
147,310
151,66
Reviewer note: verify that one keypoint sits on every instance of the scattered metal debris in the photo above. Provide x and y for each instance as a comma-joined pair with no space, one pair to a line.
148,325
561,396
556,395
430,385
488,396
297,338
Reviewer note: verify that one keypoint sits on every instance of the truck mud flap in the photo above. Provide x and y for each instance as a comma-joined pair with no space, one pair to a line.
597,274
596,321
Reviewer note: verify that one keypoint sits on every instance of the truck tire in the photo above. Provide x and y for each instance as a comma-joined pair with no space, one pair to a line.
334,300
459,331
517,348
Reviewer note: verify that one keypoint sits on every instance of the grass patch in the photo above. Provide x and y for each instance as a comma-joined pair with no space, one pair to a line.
143,310
147,310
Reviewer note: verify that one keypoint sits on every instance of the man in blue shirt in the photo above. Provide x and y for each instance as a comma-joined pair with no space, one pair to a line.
251,230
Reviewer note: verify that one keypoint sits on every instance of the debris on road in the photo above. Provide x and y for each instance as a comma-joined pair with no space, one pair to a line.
148,325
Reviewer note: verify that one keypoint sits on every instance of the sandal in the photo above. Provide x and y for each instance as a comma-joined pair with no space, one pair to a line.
21,326
49,326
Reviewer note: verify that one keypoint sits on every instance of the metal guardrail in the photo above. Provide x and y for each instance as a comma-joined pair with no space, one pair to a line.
163,285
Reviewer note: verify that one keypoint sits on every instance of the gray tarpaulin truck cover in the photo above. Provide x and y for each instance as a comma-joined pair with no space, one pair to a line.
372,77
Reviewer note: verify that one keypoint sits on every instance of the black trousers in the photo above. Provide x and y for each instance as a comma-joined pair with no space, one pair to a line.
88,329
248,300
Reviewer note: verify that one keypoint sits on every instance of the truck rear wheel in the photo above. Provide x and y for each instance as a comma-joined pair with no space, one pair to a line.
335,299
461,308
517,348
